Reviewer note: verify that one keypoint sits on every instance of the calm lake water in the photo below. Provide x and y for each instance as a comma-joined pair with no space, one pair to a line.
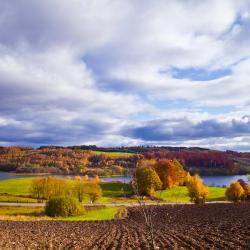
208,180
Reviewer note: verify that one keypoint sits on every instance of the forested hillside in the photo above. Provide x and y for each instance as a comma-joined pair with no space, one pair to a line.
117,161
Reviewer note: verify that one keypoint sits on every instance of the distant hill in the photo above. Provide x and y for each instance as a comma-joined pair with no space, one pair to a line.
90,159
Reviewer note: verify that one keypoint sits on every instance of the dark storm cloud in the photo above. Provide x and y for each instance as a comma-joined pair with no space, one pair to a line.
181,130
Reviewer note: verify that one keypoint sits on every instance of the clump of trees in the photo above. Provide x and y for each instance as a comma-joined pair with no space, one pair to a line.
171,173
45,188
198,192
238,191
64,197
63,206
152,175
80,188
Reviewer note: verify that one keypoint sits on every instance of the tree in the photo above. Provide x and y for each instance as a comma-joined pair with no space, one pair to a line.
246,189
147,181
93,191
166,170
197,191
235,192
79,190
38,189
97,179
77,177
85,178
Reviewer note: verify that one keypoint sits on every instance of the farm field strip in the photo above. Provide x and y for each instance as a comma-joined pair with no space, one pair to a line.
209,226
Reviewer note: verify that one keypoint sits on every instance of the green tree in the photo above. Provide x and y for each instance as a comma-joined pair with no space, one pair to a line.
147,181
197,191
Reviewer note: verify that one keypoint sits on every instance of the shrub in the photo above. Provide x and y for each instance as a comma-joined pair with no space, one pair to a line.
63,206
122,213
197,191
147,181
235,192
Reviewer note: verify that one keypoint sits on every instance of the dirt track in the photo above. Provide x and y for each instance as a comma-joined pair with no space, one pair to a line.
212,226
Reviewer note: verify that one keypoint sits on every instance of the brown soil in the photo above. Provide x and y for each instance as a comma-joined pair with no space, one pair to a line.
211,226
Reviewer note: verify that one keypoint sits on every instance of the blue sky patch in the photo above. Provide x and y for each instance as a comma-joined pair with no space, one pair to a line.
199,74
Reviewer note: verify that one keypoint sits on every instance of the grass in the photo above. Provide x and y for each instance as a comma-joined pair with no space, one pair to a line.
19,186
216,194
180,194
37,213
18,190
116,189
105,213
16,199
113,154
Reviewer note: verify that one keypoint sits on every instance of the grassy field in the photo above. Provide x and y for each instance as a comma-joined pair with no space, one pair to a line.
18,190
106,213
113,154
37,213
180,194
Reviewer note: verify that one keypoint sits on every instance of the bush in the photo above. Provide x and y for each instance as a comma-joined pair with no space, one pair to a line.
235,192
197,191
147,181
122,213
63,206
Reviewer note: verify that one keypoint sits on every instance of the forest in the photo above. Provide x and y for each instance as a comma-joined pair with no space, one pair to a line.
93,160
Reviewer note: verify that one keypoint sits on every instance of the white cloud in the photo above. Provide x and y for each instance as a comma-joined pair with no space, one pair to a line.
78,71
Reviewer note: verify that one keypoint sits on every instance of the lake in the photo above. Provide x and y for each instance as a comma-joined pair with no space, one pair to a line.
208,180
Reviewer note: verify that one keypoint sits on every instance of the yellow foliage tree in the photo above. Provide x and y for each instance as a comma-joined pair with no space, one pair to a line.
85,178
77,177
235,192
197,191
147,181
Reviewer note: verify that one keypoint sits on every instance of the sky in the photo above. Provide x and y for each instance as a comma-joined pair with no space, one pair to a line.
125,73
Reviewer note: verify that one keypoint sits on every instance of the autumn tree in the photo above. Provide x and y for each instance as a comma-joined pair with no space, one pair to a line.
166,170
96,179
147,181
235,192
45,188
79,189
197,191
93,191
85,178
246,189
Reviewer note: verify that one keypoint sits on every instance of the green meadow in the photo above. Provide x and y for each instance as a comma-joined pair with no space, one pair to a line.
180,194
18,190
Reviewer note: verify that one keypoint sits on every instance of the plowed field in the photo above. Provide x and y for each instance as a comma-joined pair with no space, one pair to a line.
211,226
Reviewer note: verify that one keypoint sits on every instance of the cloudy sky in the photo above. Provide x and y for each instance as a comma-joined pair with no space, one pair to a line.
125,72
